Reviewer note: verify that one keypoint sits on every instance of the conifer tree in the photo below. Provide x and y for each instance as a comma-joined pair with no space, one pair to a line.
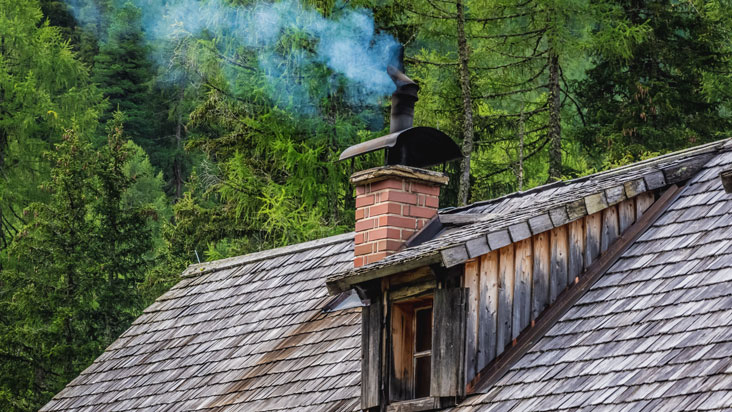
71,282
650,95
123,73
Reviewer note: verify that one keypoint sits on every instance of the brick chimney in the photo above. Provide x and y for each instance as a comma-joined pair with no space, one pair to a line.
392,203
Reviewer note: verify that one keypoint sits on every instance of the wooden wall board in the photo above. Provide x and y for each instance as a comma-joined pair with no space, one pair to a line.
540,279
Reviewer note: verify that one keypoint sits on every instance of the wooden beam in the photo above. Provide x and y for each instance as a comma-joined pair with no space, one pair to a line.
569,297
414,405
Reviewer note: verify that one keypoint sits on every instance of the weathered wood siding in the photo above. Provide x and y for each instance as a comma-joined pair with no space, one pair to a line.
509,288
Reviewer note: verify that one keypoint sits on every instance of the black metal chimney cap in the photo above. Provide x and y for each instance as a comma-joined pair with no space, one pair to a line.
416,147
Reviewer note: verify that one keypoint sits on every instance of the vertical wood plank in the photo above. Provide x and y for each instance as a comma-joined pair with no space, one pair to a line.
626,214
610,231
522,287
559,262
472,277
642,202
576,250
540,290
505,297
593,226
447,342
488,311
401,379
371,355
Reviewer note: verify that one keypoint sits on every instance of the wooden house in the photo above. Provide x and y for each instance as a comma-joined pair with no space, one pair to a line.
609,292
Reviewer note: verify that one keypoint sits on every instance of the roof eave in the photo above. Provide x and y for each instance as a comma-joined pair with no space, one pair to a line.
343,282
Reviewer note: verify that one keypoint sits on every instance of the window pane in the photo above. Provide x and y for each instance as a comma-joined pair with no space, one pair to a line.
422,377
424,330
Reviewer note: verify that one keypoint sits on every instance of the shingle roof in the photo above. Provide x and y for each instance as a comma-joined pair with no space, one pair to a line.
519,215
240,334
249,333
653,334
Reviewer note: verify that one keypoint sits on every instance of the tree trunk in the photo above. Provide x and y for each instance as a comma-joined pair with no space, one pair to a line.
178,163
520,172
464,73
555,126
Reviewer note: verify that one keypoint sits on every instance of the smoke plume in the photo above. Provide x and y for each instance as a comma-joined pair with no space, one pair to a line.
346,42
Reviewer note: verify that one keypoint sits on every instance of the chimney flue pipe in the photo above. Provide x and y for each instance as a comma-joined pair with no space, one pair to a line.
402,100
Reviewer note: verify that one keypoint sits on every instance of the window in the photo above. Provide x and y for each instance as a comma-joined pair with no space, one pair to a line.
422,351
411,355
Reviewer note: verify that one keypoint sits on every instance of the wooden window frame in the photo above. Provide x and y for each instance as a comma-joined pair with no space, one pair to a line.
403,346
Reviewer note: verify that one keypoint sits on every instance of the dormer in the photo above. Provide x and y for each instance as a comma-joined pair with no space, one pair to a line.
470,291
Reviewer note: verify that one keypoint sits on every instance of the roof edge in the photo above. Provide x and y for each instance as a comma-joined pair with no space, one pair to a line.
337,283
207,267
705,148
663,171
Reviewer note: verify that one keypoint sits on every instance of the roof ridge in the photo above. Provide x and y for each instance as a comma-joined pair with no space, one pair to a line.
712,146
207,267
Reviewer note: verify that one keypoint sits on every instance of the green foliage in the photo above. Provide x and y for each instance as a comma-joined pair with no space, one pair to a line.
71,280
664,91
246,147
44,90
123,72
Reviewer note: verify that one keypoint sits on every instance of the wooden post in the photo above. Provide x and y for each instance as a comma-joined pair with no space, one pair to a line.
371,355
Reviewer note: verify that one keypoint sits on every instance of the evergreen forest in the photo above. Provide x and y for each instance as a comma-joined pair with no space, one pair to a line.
138,137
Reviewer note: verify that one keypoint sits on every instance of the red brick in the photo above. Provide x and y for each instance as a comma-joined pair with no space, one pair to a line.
365,224
360,190
401,197
359,261
389,245
363,249
424,212
376,257
387,184
385,208
360,238
360,213
425,189
383,233
406,234
362,201
432,201
397,221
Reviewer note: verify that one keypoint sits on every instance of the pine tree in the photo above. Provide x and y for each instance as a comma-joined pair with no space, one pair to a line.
71,282
44,90
650,94
123,73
